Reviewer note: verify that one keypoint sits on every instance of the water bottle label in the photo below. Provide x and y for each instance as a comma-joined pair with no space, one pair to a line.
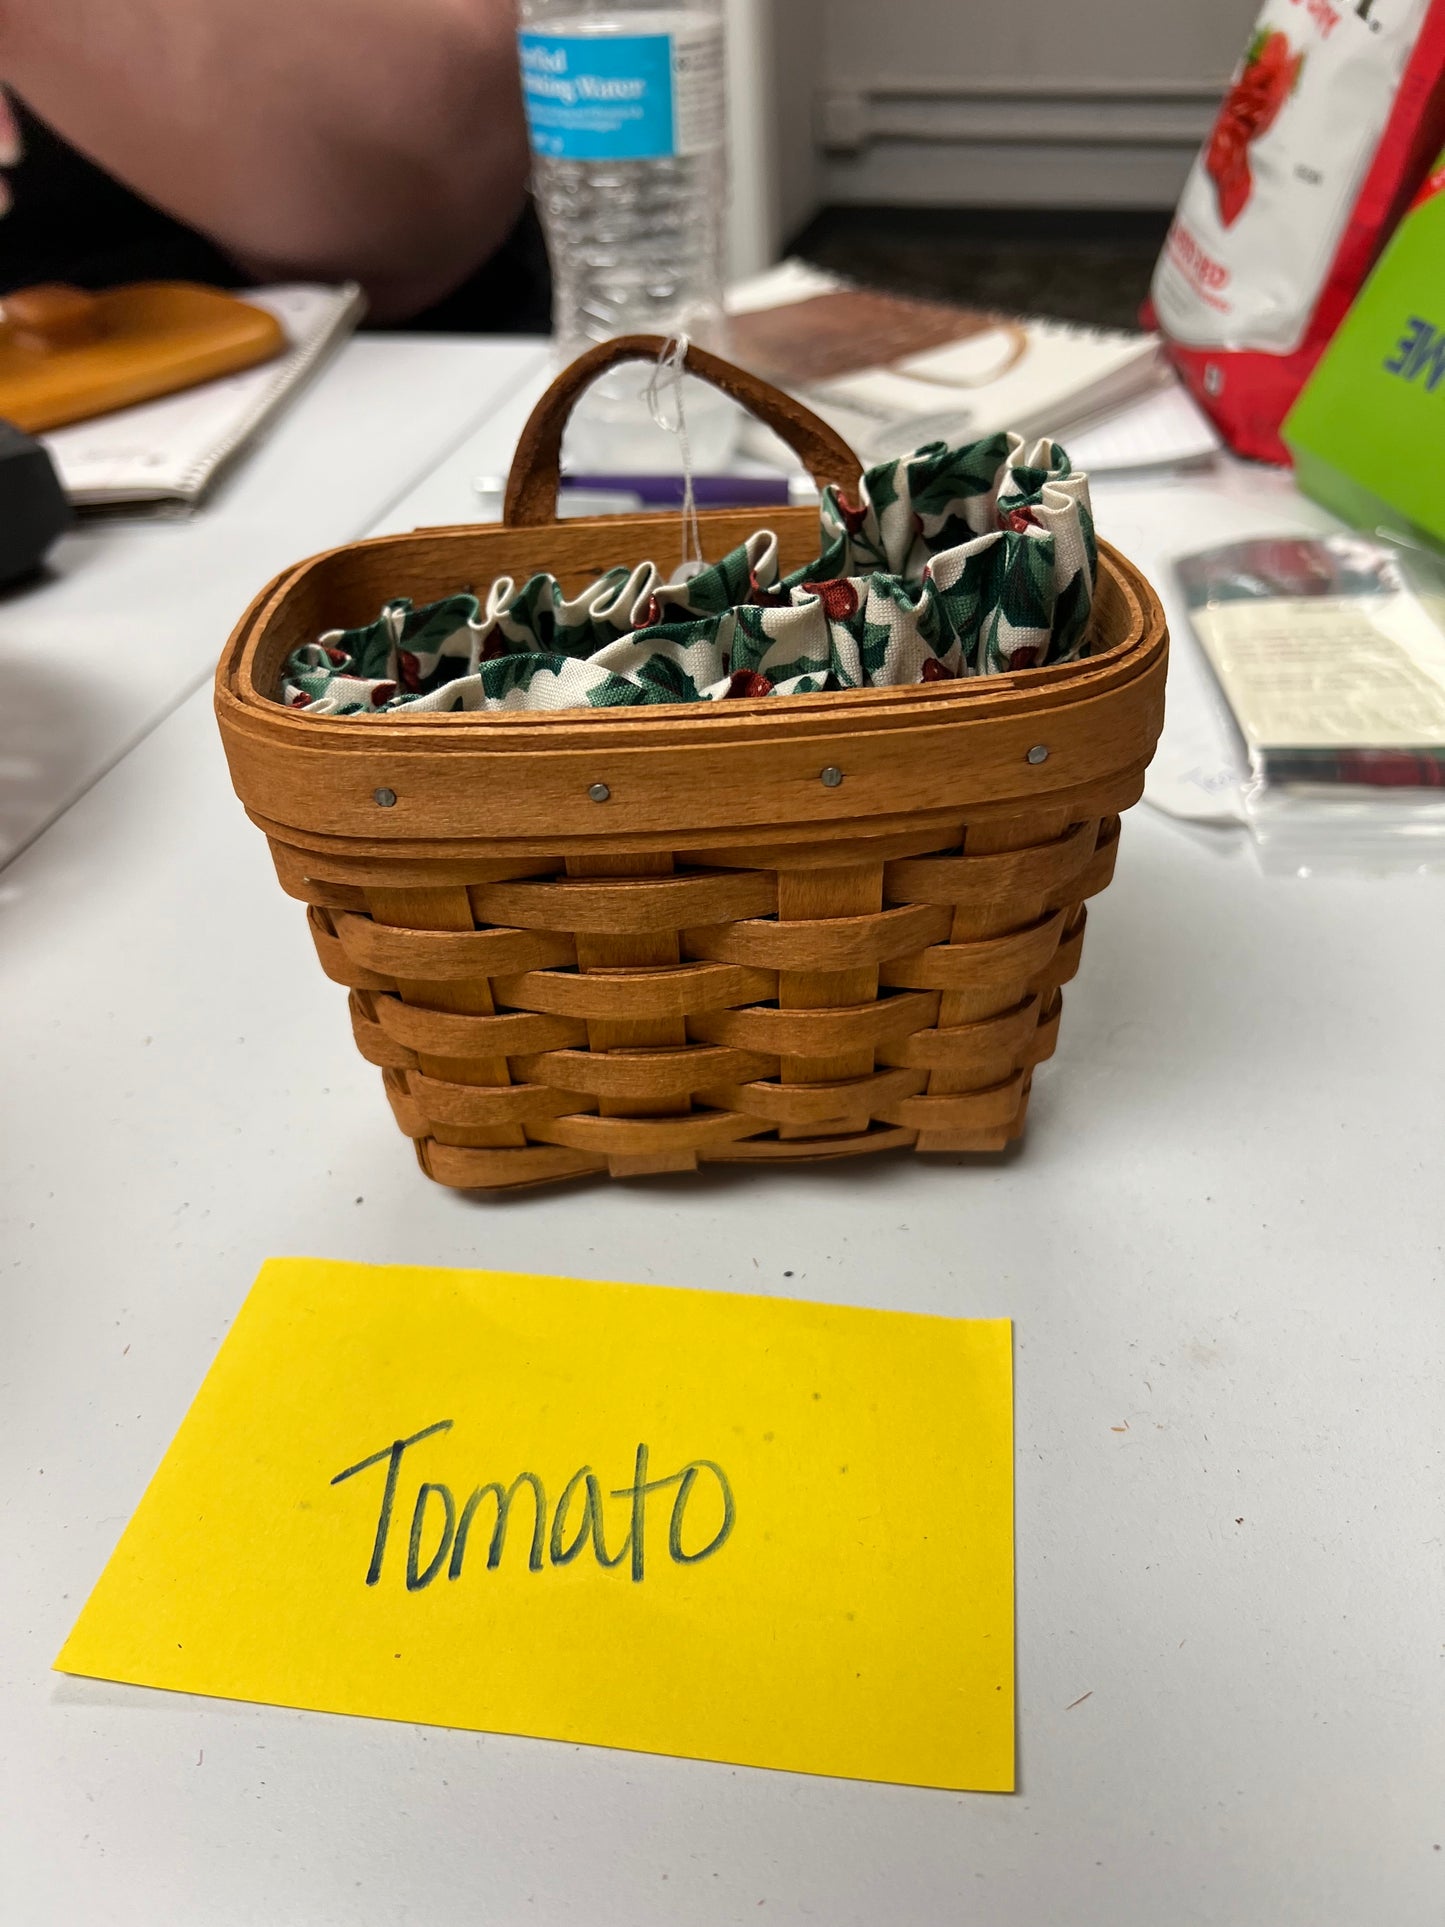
623,97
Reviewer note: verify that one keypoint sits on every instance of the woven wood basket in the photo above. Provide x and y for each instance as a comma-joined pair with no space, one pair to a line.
629,940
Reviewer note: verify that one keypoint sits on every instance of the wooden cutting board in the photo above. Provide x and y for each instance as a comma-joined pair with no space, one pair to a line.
66,355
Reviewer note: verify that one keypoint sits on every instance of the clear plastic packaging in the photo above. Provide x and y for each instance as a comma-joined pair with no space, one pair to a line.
1330,652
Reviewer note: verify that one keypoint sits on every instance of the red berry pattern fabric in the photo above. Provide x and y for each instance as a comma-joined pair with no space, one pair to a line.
952,561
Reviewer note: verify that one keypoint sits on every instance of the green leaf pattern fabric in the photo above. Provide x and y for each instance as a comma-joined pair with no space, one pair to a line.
954,562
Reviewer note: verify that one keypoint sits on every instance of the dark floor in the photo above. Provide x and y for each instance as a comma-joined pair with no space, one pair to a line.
1088,265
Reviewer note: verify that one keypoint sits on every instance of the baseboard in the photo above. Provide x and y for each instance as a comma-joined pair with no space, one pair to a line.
917,174
1011,144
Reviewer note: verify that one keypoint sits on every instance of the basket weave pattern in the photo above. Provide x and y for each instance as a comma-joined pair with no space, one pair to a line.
761,930
542,1019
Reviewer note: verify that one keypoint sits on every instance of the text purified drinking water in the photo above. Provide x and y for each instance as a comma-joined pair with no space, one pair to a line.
625,107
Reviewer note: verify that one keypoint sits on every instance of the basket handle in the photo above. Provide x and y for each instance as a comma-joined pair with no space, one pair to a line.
531,500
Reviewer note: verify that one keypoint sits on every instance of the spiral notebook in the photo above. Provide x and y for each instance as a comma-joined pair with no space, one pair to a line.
163,455
891,372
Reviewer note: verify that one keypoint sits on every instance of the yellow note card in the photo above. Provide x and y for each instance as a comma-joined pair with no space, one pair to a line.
736,1528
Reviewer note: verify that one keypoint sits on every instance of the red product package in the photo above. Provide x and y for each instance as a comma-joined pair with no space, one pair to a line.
1332,118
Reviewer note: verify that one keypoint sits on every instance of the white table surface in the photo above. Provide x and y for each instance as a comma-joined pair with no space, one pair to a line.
447,492
1222,1235
134,613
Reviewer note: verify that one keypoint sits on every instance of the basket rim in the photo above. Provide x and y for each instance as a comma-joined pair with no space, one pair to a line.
1044,687
424,862
739,770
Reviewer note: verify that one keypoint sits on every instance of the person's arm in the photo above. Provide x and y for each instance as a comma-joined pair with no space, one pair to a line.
377,139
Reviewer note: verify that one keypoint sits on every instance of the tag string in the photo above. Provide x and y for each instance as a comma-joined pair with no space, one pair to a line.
668,375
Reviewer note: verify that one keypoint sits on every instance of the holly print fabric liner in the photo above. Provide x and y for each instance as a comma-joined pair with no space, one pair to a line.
963,561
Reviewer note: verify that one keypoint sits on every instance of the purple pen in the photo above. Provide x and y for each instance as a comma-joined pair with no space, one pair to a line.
627,494
709,491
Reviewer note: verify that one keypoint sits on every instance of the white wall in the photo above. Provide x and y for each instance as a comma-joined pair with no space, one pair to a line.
1069,102
774,72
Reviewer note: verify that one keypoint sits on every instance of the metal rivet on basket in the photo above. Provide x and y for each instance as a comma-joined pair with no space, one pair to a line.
832,776
599,792
1038,754
386,798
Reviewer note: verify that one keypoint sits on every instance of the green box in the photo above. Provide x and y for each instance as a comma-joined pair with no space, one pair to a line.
1367,431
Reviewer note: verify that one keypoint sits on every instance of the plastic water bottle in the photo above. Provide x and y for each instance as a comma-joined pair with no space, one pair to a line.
625,104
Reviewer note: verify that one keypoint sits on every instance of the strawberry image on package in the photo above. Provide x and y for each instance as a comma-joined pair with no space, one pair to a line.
1329,124
1271,72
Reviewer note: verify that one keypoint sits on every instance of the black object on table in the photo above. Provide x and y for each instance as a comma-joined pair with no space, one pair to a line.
33,505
